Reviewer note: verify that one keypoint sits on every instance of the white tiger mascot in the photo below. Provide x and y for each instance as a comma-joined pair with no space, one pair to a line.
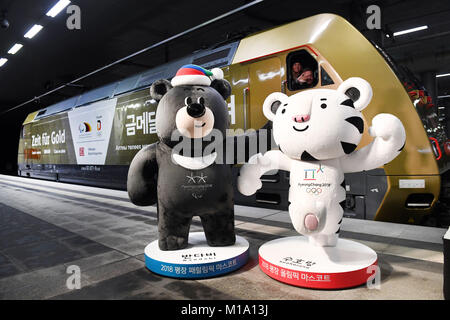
317,132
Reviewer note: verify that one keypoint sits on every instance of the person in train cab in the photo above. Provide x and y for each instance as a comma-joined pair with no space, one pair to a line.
296,71
306,79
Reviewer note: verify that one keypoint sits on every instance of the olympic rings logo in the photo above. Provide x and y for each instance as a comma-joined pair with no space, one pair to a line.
315,191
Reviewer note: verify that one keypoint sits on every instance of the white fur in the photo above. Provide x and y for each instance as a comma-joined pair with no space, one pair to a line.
326,128
364,88
315,186
188,79
194,163
194,127
217,74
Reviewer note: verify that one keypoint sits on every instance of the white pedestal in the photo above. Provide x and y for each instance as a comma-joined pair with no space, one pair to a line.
294,261
198,260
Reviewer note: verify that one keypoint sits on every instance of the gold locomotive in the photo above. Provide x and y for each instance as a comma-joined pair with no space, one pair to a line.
404,190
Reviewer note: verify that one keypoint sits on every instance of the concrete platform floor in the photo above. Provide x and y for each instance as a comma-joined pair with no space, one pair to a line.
46,227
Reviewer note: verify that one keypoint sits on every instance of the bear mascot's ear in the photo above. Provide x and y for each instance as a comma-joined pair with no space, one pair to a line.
271,104
358,90
159,88
223,87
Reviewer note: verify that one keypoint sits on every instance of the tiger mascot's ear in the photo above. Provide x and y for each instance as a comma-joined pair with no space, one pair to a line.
271,104
359,92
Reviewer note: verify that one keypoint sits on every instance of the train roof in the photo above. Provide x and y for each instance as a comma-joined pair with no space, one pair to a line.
260,44
209,58
310,30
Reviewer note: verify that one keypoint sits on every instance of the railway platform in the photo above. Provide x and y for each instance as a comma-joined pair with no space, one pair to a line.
48,227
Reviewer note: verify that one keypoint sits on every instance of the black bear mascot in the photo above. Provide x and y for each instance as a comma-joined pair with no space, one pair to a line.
191,178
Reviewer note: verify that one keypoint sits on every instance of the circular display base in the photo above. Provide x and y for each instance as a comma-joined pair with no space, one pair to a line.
294,261
198,260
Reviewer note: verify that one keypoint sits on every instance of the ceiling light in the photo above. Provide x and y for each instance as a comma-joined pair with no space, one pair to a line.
15,48
57,8
3,61
443,75
33,31
399,33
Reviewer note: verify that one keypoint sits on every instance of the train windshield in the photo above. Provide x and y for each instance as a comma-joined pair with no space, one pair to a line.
325,79
303,70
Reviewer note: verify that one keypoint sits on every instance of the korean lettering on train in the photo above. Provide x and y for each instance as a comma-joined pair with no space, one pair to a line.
145,122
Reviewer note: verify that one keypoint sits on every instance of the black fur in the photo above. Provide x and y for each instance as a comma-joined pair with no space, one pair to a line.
348,102
223,87
402,146
274,107
159,89
357,122
307,157
348,147
353,93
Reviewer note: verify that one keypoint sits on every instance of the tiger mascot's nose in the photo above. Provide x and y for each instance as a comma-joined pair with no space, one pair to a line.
302,118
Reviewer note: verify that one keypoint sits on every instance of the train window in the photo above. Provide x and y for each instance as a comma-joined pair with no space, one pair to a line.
325,79
302,70
97,94
41,113
211,57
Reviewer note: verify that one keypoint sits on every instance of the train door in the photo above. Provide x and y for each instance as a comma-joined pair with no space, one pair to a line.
34,151
237,103
23,159
264,78
39,140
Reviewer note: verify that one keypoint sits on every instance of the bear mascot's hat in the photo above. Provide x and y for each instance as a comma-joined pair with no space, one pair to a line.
192,74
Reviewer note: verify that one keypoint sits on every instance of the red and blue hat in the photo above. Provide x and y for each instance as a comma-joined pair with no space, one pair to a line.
192,74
